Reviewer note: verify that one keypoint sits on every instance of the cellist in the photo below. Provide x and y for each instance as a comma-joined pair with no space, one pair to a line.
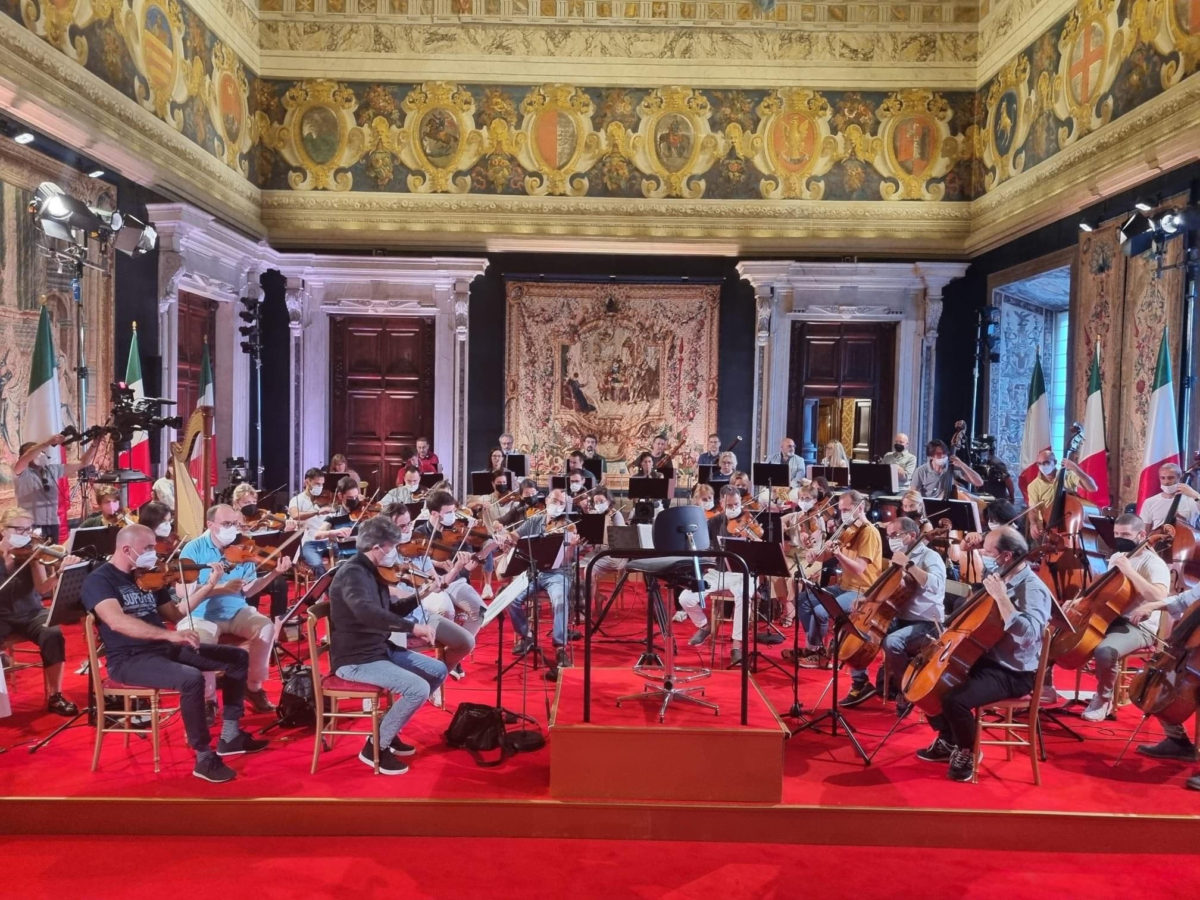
1151,581
918,619
1040,492
1155,509
1008,669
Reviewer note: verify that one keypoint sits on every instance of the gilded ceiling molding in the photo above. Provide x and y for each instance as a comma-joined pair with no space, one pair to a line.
1009,26
234,22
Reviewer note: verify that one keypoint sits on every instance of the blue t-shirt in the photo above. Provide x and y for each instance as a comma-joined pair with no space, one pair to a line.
110,582
218,607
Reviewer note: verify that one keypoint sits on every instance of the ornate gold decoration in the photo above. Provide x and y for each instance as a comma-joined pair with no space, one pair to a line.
791,145
153,31
439,138
226,97
53,21
1172,27
1010,111
559,141
318,136
674,143
1090,47
915,146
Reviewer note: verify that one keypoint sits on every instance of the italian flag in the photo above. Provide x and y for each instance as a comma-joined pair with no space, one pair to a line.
1037,427
43,407
204,399
138,455
1093,455
1162,438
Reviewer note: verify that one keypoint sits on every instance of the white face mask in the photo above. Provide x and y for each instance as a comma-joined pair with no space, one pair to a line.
146,560
406,534
163,529
732,512
848,517
448,519
553,510
389,558
600,506
1047,468
316,489
17,541
1169,489
226,535
806,505
897,544
707,505
938,462
576,487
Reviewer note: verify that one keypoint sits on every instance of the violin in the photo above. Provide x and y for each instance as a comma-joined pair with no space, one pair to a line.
266,520
245,550
745,526
365,511
166,546
41,550
1169,684
164,574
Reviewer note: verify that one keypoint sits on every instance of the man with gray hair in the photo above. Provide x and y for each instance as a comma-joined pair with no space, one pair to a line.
363,616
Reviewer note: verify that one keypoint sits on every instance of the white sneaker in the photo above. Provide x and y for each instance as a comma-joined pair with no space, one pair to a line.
435,697
1097,711
680,616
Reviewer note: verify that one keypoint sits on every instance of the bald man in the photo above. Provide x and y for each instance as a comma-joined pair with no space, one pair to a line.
899,457
142,651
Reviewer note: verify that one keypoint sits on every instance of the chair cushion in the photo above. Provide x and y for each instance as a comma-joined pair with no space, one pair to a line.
334,683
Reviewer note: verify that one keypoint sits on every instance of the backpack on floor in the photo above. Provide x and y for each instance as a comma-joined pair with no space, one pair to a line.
297,707
478,728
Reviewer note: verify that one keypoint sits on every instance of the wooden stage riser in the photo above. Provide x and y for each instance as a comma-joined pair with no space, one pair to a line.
995,830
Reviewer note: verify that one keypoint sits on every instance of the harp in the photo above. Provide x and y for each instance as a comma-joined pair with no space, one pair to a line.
191,504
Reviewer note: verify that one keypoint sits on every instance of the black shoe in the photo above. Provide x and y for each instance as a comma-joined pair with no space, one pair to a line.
210,713
561,659
962,764
388,764
399,748
210,768
770,637
60,705
700,636
241,745
574,635
1193,783
735,656
1170,748
523,646
939,751
259,702
859,693
902,707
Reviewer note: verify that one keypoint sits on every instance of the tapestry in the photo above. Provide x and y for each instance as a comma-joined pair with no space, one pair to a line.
27,280
623,362
1025,329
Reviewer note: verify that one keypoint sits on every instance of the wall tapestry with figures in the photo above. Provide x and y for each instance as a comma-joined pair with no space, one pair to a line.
623,362
27,280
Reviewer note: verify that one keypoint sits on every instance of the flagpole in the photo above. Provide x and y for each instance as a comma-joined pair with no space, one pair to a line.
81,369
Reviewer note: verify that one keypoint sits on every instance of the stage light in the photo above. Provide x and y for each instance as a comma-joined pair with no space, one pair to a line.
1085,225
96,173
1137,235
63,217
25,137
131,235
1143,207
1177,221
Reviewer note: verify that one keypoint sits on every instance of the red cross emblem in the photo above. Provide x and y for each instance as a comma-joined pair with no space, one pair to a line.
1087,62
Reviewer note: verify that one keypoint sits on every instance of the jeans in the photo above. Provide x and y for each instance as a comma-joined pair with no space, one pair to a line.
813,616
902,642
180,668
988,682
409,677
313,554
555,586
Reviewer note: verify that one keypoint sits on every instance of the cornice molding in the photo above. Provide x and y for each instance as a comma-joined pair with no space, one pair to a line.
235,22
1010,27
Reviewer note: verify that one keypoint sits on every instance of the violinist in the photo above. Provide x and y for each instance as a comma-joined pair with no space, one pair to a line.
1155,509
444,516
601,503
575,469
787,456
158,518
912,506
108,510
528,503
338,464
1008,669
497,465
408,488
711,453
917,619
313,518
935,478
577,490
658,456
425,459
704,497
140,650
1151,582
899,457
255,520
859,553
22,614
225,610
692,602
1040,492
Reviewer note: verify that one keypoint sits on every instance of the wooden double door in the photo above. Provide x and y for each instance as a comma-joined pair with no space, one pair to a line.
381,382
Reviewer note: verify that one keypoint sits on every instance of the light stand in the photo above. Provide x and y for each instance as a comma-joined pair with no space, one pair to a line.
252,346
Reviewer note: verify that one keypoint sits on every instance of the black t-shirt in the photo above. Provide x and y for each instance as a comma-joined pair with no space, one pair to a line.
109,581
19,600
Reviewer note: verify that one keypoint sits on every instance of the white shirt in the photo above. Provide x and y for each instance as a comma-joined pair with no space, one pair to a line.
302,503
1150,566
1154,510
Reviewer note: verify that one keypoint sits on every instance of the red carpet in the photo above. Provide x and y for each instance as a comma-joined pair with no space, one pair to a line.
208,868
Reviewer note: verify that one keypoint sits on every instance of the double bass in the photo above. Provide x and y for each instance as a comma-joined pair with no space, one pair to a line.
1169,684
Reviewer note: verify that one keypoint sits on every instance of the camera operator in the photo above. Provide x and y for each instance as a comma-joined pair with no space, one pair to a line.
37,471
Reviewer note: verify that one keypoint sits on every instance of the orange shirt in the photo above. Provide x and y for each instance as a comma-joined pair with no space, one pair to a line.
865,545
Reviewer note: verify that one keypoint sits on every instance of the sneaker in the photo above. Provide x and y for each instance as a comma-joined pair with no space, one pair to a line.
1097,710
735,656
523,646
1193,783
814,659
457,672
388,764
259,701
210,713
859,693
60,705
962,764
210,768
700,636
399,748
679,617
1049,696
486,593
938,752
1170,748
561,660
435,697
240,745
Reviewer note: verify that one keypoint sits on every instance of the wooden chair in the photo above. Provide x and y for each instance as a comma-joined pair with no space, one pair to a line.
717,617
120,721
1025,733
330,690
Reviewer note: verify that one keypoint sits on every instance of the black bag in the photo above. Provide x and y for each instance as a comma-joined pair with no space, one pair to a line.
477,728
297,707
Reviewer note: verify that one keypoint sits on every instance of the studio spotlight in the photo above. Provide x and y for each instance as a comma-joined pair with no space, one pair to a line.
1143,207
1177,221
96,173
63,217
25,137
1136,236
1086,225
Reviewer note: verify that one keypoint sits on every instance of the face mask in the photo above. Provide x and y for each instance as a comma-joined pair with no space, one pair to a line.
732,512
899,448
1169,489
849,517
576,487
990,564
353,503
992,526
163,529
316,490
448,519
1124,545
897,544
554,510
17,541
146,560
911,514
806,505
389,558
1047,468
938,462
226,535
706,505
406,534
600,506
249,511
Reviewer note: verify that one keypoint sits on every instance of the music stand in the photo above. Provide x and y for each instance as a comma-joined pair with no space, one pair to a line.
619,537
558,482
705,473
595,465
1104,528
771,475
314,593
414,510
535,555
481,483
841,623
838,475
963,514
591,526
873,478
429,479
763,559
643,488
66,609
517,463
95,543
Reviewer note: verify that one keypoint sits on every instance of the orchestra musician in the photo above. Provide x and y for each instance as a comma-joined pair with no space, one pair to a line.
835,455
37,472
1008,669
507,443
22,614
338,464
643,466
1151,581
443,514
601,503
898,456
158,517
226,609
313,518
141,650
935,477
245,500
726,466
704,497
1154,509
591,453
663,464
859,553
711,453
575,469
787,456
408,487
496,464
426,460
692,602
917,620
1040,491
912,506
363,617
164,488
108,509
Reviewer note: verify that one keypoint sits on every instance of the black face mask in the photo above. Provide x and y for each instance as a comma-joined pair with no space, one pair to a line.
899,448
1124,545
911,514
353,504
250,511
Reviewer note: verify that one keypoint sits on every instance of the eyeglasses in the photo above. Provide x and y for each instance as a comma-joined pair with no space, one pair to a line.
28,529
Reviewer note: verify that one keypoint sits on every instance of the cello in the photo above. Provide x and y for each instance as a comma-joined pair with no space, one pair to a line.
944,664
1181,554
1169,684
